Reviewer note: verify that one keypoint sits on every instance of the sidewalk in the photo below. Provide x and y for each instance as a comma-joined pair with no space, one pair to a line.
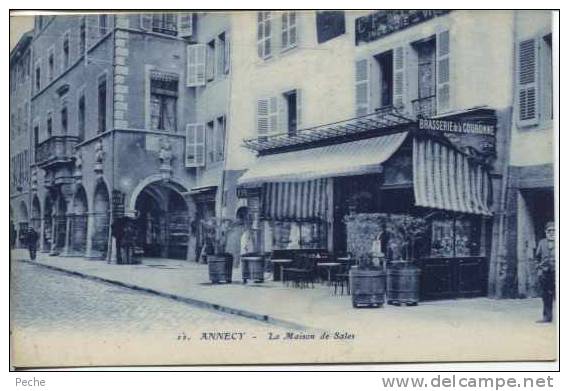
468,329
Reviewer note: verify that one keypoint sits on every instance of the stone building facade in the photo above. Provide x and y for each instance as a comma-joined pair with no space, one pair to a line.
146,115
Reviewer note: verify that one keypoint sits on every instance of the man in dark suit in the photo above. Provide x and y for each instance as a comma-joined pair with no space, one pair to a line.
32,242
545,266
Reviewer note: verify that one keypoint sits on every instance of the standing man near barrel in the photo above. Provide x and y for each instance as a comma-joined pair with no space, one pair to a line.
545,266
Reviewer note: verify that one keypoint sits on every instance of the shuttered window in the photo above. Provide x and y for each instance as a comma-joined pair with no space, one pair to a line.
264,34
399,80
267,116
185,24
443,72
362,87
288,30
527,82
195,145
196,64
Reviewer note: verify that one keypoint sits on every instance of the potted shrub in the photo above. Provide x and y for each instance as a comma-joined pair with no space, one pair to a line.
220,264
403,233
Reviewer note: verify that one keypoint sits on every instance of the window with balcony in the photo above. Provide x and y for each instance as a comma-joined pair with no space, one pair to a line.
291,103
425,104
163,101
385,78
102,104
264,34
220,138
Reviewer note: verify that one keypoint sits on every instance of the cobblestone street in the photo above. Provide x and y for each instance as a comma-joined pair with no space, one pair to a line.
46,301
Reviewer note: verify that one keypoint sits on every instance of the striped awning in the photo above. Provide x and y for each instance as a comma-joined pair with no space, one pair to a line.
444,178
352,158
298,201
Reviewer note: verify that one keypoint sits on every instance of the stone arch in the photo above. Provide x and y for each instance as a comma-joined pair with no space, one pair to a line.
48,209
174,183
36,213
101,220
78,224
163,218
22,223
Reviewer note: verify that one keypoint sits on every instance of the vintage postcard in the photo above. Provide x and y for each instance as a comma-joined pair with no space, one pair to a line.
282,187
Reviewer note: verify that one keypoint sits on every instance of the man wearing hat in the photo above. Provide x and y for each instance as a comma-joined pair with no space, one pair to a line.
545,266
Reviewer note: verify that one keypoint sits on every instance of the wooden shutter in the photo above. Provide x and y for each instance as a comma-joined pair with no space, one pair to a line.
195,65
262,120
362,87
146,21
195,145
399,80
274,114
527,81
226,55
443,72
185,24
298,109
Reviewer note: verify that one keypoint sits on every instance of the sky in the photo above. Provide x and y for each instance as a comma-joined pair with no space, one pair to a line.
18,26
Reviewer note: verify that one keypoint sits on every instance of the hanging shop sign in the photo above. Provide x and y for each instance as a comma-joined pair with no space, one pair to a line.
118,203
381,23
464,134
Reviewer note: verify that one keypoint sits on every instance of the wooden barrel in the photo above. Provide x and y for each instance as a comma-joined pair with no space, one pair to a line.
219,268
403,284
367,287
254,268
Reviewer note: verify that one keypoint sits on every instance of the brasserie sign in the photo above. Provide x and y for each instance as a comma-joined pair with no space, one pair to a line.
381,23
456,126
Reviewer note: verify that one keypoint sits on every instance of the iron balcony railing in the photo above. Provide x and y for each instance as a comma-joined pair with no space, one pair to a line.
425,107
56,149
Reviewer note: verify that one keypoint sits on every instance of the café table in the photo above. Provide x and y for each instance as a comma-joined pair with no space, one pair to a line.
278,265
328,266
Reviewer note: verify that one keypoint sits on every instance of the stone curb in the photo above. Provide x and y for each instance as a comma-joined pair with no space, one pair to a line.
188,300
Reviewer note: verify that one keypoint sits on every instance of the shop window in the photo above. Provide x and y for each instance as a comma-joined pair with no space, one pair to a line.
453,237
264,34
163,102
102,104
210,60
288,30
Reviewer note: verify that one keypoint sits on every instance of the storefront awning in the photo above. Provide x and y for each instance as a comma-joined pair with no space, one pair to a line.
446,179
353,158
